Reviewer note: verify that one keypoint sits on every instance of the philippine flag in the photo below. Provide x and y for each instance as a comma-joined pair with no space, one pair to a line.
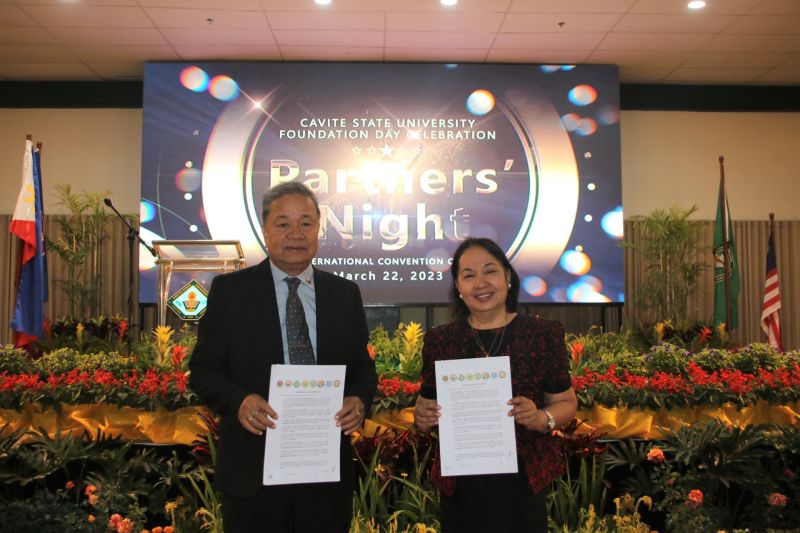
28,319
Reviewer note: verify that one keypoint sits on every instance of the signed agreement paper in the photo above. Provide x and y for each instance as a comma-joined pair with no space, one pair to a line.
304,447
476,435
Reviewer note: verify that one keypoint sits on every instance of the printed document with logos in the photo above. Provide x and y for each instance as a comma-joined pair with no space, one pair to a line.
476,435
304,447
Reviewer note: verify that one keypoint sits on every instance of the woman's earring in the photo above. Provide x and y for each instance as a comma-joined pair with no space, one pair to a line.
509,285
459,295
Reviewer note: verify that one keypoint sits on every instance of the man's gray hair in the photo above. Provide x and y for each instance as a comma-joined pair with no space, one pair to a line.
285,189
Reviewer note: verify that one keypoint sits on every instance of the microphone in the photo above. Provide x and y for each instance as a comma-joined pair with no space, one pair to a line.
107,201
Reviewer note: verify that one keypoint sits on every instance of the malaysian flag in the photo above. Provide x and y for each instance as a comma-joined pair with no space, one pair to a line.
771,307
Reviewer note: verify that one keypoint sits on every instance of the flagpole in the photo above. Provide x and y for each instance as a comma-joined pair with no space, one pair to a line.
725,264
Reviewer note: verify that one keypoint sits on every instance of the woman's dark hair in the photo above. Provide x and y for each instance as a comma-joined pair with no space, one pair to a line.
457,305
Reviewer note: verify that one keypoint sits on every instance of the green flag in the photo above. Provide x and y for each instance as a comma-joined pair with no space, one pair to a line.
720,236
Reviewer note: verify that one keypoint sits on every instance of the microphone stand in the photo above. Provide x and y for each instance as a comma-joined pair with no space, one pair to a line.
133,235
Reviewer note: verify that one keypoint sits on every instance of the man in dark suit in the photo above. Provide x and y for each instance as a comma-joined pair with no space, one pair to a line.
244,332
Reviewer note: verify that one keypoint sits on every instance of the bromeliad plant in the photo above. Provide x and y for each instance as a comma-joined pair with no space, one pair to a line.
398,363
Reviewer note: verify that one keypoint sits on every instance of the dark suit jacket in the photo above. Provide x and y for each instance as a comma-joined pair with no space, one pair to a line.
238,340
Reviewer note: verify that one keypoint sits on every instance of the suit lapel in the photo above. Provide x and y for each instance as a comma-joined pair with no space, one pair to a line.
324,317
264,315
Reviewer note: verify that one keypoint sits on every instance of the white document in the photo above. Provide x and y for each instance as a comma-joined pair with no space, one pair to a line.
476,435
304,447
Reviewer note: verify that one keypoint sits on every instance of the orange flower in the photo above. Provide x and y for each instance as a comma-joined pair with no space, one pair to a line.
91,518
655,455
158,529
125,526
776,499
90,489
371,350
115,520
705,334
93,499
69,485
577,351
169,529
695,498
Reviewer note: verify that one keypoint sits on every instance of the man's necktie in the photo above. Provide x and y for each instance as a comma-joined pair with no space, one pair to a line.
300,350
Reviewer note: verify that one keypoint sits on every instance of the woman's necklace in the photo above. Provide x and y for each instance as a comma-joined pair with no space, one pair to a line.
494,347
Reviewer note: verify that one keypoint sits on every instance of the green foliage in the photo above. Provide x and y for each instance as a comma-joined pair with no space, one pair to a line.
668,240
82,234
711,477
399,355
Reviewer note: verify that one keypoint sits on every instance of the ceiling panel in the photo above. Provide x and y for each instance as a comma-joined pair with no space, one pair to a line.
713,7
124,53
753,43
689,23
548,41
572,6
25,35
440,40
199,52
733,60
558,22
461,22
108,36
330,53
652,41
206,18
118,70
538,56
88,16
787,25
641,58
329,38
182,36
308,21
655,41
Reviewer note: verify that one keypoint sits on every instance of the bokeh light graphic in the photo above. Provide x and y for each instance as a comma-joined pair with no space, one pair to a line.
583,292
582,95
534,285
586,126
188,179
549,69
147,211
576,263
570,121
480,102
612,223
223,88
608,115
194,78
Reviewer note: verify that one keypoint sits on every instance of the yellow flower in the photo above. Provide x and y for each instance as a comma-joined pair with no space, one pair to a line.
647,500
79,332
722,330
660,330
163,335
170,506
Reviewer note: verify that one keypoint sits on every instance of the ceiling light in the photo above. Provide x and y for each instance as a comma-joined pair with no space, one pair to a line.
697,4
449,2
322,2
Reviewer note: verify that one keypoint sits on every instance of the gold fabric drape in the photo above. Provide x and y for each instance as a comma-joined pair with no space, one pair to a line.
751,241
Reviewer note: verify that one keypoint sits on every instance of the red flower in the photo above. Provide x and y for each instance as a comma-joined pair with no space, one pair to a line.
115,520
179,353
90,489
122,327
776,499
695,498
389,386
576,348
69,485
655,455
705,334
